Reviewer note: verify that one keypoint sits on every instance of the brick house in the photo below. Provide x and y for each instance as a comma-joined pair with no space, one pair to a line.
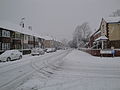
48,42
12,36
109,28
94,36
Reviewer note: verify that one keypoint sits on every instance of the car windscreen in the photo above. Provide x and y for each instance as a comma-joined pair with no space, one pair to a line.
6,53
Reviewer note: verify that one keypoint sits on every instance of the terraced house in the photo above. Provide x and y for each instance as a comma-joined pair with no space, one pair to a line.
14,37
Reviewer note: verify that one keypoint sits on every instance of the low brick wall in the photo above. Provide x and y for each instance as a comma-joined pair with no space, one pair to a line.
96,52
117,52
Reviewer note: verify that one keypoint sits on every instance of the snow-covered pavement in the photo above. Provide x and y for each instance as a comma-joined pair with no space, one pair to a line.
15,73
77,71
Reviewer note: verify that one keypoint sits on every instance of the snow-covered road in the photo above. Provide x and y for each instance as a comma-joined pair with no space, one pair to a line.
77,71
15,73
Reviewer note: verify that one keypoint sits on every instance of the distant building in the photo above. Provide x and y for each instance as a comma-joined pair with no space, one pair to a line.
48,42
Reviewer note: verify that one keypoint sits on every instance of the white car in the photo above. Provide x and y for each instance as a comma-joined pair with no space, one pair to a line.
10,55
37,51
51,50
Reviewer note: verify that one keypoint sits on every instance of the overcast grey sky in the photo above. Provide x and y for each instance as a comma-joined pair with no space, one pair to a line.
57,17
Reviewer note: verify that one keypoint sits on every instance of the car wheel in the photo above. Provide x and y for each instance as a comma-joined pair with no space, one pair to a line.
8,59
20,57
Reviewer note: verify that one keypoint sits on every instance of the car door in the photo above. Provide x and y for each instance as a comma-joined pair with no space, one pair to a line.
16,54
13,55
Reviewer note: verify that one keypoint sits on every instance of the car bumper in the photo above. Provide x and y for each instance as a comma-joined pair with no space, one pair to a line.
2,59
34,53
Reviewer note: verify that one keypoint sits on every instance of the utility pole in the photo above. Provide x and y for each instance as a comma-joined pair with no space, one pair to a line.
22,27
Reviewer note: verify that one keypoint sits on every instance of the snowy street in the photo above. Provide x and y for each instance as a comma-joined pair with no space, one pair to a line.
77,71
59,44
15,73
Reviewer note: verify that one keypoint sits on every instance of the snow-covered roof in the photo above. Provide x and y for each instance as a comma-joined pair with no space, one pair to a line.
97,32
10,26
112,19
18,28
25,30
47,37
101,38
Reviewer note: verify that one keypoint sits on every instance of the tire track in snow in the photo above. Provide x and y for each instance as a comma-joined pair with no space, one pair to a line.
21,77
46,64
50,65
18,65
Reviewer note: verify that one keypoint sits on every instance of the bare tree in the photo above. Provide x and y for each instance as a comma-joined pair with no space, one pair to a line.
116,13
77,35
64,42
81,34
72,44
86,30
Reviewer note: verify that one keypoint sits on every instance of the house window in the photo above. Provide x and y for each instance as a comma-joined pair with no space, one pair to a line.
8,33
31,38
13,35
5,46
17,35
5,33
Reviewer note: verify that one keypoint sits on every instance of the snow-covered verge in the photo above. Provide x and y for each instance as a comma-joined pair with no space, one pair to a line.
79,71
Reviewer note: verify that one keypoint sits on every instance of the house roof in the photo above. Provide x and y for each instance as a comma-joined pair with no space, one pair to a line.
97,32
10,26
94,33
25,30
47,37
101,38
17,28
112,19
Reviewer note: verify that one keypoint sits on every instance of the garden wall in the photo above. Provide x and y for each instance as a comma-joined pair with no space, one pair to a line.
96,52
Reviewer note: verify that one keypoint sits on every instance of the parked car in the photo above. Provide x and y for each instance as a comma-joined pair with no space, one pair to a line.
50,50
37,51
10,55
54,49
45,49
